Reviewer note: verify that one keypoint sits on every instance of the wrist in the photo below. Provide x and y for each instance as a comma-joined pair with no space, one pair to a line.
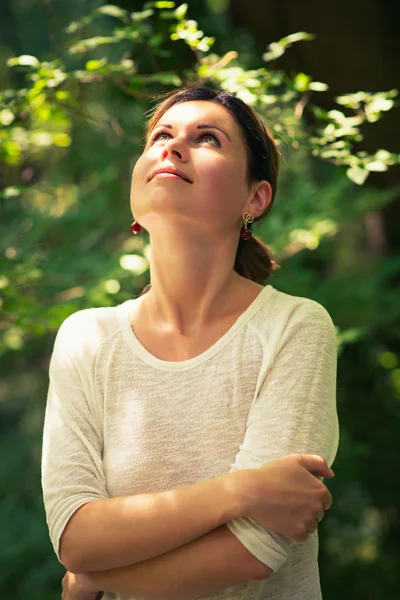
237,492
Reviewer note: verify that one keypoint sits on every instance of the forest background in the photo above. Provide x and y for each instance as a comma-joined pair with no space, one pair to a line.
76,78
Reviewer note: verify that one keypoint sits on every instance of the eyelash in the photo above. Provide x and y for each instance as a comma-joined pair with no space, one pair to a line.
157,135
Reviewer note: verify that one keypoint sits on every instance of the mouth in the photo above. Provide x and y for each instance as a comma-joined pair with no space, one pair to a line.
170,172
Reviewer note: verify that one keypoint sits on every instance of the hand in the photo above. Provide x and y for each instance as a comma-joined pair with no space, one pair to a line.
78,587
286,496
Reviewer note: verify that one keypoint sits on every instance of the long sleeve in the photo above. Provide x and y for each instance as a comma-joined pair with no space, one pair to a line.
72,468
294,412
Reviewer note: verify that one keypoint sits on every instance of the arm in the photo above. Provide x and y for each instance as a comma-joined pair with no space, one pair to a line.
117,532
203,567
293,412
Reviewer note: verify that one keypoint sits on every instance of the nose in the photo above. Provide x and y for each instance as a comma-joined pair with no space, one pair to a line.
175,148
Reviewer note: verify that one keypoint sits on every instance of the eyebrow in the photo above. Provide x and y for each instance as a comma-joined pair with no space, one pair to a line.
203,126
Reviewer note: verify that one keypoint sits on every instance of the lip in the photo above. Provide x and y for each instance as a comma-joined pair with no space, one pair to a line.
172,171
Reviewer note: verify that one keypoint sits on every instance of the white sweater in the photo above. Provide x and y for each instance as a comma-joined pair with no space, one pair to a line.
120,421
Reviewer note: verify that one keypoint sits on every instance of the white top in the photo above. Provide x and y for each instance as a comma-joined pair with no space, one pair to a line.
120,421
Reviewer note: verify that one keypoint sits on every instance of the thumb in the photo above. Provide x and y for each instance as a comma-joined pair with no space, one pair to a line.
316,465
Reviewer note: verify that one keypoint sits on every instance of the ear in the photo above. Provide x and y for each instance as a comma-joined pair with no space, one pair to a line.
260,198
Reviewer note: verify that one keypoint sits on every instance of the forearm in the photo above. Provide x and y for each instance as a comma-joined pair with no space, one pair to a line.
117,532
203,567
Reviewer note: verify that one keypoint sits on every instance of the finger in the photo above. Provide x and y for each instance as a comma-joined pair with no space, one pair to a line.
302,537
327,501
316,464
310,530
311,526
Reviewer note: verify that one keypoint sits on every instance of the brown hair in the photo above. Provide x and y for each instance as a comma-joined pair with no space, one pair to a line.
254,259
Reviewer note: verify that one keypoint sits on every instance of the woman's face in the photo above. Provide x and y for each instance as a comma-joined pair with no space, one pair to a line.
202,141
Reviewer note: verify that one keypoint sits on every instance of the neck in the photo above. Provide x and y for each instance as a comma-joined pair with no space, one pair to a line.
190,288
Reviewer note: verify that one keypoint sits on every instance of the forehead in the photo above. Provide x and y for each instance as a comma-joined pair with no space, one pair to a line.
199,111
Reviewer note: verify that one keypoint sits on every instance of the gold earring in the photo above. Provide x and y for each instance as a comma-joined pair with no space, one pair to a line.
246,232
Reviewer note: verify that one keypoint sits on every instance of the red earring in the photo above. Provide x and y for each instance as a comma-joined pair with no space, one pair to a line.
135,227
246,231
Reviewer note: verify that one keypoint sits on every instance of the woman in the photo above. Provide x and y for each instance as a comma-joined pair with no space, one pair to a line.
187,430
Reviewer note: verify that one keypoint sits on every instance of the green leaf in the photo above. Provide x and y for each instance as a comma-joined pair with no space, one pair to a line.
167,78
164,4
218,6
167,15
320,113
301,82
62,139
94,65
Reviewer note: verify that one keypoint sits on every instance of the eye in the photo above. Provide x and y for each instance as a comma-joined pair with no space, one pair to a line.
157,135
211,136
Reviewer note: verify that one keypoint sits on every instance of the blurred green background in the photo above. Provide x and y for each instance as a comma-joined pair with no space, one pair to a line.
76,80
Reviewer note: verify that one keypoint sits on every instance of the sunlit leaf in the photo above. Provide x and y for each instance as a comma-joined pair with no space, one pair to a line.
318,86
6,117
90,43
42,138
26,60
112,11
11,192
376,166
141,16
180,12
357,175
299,36
275,51
351,100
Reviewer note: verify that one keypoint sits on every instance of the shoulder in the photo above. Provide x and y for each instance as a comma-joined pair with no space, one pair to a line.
288,311
83,331
296,328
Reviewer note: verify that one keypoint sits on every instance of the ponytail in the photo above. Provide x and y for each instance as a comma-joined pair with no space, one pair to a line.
254,260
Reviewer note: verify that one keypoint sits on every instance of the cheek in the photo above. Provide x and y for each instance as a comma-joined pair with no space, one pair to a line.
138,174
136,191
226,181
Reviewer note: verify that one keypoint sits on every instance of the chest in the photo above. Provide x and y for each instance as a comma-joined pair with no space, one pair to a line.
166,429
175,347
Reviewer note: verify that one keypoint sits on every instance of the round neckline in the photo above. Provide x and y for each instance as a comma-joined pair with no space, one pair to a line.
167,365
